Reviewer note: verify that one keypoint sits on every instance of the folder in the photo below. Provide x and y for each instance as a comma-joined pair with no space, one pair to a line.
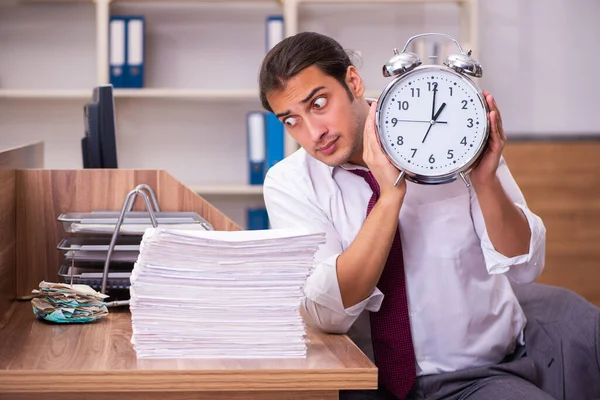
275,31
257,219
256,146
135,52
116,55
275,141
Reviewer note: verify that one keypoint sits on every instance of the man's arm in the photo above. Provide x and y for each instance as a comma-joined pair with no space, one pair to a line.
290,204
505,223
343,283
512,236
361,265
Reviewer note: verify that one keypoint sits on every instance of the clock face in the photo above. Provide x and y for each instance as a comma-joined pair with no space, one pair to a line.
432,122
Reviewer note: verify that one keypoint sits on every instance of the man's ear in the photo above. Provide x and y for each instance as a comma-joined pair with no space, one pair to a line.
355,82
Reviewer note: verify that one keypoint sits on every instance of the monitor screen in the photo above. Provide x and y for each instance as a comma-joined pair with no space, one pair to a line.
99,145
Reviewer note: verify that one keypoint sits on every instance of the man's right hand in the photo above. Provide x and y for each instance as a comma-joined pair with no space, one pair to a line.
385,172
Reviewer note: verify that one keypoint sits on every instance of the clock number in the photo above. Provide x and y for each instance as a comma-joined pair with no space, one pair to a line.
464,141
414,152
450,154
464,103
403,105
395,121
400,141
450,90
431,159
470,125
417,91
432,84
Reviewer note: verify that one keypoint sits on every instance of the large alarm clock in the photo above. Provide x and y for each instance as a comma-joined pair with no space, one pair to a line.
432,119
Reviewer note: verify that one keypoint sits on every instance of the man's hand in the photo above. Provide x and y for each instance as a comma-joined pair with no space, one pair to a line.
385,172
485,170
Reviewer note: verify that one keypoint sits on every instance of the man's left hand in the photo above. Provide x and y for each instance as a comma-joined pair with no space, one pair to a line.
485,170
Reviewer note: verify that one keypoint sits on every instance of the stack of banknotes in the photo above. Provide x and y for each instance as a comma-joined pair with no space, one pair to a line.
64,303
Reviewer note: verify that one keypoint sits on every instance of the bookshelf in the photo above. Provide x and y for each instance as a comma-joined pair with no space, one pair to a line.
201,79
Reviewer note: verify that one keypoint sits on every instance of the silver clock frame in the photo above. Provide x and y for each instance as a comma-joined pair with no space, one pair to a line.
460,171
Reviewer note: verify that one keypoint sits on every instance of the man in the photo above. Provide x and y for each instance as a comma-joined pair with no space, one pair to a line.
418,276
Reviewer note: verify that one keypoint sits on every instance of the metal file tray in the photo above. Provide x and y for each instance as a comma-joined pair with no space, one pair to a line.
126,249
98,244
90,274
134,223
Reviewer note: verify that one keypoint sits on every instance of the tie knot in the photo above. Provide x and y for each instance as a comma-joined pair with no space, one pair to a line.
369,178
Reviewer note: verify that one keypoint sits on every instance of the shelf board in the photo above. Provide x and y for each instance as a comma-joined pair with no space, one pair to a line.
77,94
381,1
191,94
227,190
152,1
83,94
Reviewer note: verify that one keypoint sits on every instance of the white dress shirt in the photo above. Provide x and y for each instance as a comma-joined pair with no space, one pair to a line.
463,311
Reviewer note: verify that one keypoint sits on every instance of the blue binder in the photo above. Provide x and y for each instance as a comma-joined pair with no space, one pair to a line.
135,52
258,219
117,51
275,141
255,127
275,31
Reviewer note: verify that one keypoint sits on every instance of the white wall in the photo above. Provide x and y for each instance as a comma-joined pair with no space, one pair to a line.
539,59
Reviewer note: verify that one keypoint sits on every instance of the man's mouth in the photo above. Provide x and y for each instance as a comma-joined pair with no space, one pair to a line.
328,148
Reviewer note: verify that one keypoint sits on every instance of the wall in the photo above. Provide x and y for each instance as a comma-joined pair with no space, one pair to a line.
537,56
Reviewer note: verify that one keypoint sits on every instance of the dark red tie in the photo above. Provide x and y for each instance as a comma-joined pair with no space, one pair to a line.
390,326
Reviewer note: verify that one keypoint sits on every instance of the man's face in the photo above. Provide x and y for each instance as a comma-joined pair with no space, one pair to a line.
318,113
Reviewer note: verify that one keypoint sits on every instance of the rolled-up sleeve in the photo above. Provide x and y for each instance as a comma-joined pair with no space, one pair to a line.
522,268
289,205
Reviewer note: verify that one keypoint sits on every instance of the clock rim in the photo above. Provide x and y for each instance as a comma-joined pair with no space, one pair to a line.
453,174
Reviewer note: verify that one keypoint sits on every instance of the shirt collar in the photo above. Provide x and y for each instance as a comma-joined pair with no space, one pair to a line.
347,167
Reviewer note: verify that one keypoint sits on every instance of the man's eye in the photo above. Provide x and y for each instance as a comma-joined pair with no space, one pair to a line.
290,121
320,102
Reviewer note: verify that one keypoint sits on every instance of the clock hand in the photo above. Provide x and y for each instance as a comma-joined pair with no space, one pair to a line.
437,114
433,105
411,120
433,120
427,133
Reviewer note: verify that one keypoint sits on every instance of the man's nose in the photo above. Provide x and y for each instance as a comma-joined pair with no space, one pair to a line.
317,130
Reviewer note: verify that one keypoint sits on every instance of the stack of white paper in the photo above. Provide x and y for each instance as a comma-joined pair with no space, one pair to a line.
217,294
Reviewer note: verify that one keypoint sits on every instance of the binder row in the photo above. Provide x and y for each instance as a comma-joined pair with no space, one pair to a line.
265,144
126,51
265,132
265,135
126,47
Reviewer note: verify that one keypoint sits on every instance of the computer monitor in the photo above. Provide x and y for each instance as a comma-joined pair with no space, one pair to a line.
99,145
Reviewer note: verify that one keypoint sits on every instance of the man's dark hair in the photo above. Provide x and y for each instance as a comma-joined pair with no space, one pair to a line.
290,56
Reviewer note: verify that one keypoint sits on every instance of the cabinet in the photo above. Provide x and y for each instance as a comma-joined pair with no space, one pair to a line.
202,62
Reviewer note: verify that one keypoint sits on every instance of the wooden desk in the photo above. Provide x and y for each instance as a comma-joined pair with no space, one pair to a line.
97,361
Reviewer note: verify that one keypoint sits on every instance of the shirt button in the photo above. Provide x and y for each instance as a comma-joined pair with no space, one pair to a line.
413,313
421,358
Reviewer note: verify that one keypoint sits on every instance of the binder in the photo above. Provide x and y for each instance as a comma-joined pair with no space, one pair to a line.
274,140
275,31
256,147
257,219
135,52
116,57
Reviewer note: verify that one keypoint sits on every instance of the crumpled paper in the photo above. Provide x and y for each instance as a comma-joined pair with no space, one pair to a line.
64,303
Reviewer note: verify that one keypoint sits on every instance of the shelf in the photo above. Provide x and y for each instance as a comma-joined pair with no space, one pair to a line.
152,1
191,94
228,190
82,94
76,94
382,1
